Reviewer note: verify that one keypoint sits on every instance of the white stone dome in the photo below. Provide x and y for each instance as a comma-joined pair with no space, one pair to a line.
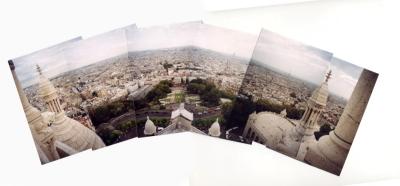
215,130
149,127
75,135
49,117
271,126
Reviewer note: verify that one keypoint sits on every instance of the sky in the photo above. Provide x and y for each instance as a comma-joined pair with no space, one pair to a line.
344,78
305,62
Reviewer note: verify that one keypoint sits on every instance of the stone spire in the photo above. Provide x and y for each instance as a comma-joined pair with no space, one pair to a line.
304,131
49,93
315,105
331,150
214,130
328,76
149,127
42,134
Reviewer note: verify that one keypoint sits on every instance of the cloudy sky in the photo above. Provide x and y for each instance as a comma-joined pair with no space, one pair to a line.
50,59
305,62
344,78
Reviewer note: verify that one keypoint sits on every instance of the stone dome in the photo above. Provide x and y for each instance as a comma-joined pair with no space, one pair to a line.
48,117
271,126
149,127
75,135
215,130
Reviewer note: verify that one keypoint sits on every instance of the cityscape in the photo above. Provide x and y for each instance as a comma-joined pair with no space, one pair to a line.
205,81
114,97
192,77
291,93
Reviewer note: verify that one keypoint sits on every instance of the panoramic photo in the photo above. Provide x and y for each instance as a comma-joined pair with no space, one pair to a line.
75,94
302,102
189,74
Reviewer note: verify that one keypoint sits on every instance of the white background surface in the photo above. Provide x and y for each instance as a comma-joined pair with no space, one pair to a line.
362,32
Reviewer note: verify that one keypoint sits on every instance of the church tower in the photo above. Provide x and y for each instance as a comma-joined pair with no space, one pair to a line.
42,134
315,106
304,131
49,94
330,152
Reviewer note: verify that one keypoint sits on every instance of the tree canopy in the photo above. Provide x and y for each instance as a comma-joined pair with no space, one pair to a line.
161,90
104,113
207,91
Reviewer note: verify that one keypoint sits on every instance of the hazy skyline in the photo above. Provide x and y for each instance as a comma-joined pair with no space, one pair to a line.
226,40
305,62
97,48
164,36
194,33
50,59
71,54
299,60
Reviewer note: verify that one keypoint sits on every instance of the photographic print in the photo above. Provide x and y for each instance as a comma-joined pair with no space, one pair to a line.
302,102
101,80
221,56
62,88
55,131
190,74
162,58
